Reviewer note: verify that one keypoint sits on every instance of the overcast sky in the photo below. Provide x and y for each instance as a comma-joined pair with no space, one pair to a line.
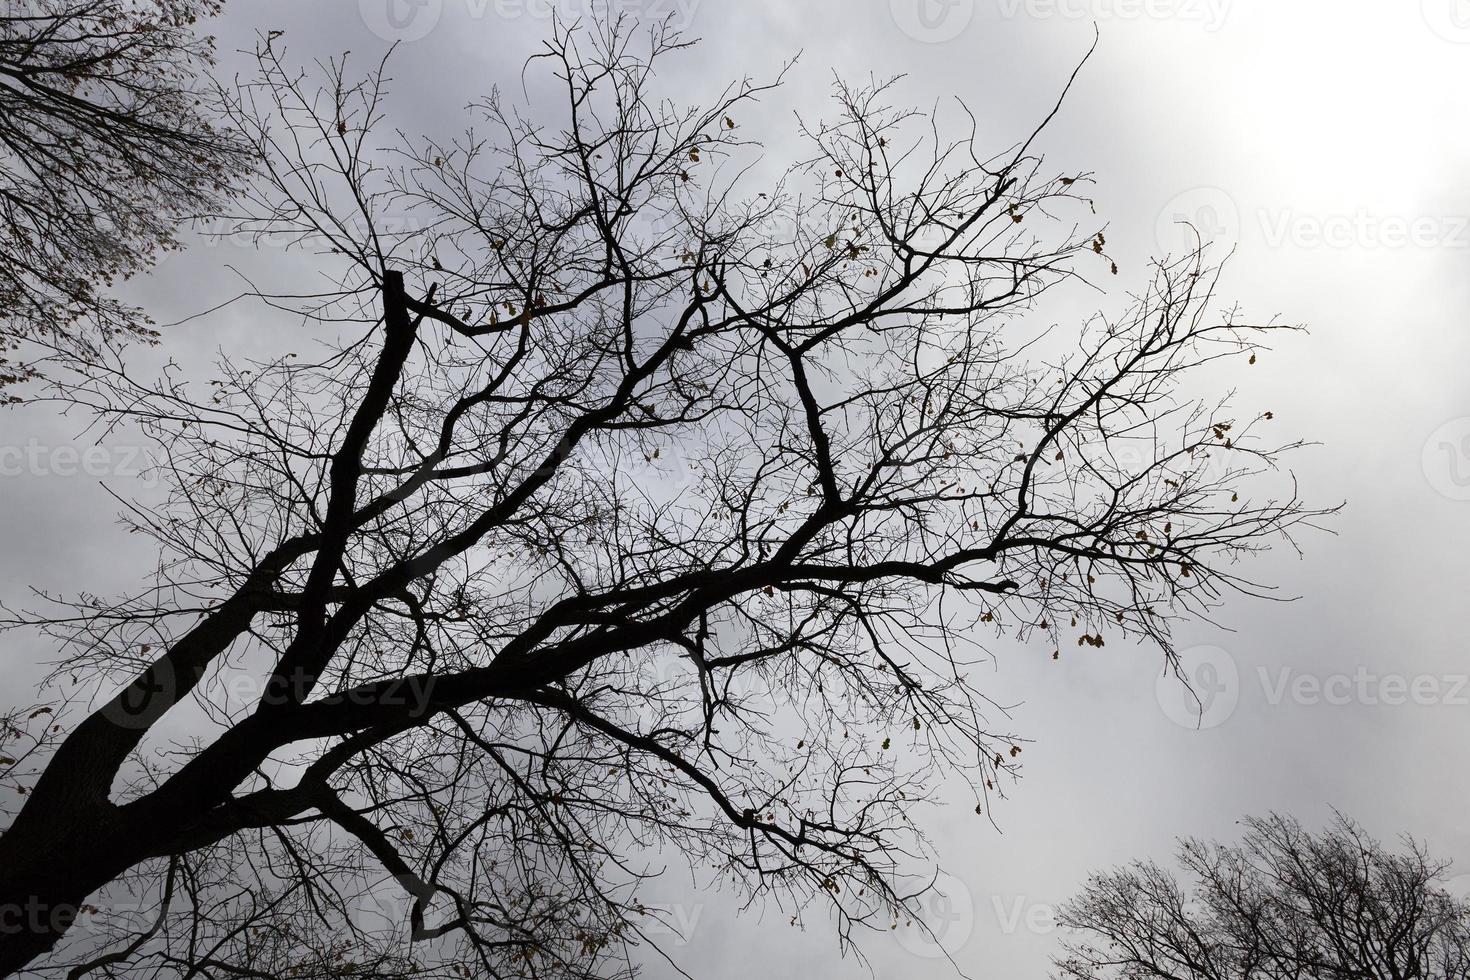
1328,142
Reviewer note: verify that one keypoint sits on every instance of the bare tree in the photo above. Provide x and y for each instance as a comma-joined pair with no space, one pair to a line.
106,144
1283,904
647,507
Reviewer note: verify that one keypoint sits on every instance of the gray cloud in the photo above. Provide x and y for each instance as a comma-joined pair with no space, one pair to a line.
1327,141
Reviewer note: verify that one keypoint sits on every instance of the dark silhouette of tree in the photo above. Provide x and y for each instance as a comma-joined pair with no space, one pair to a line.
106,144
646,508
1283,904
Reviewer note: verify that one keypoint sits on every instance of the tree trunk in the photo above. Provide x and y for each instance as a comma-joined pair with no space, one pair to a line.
48,869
